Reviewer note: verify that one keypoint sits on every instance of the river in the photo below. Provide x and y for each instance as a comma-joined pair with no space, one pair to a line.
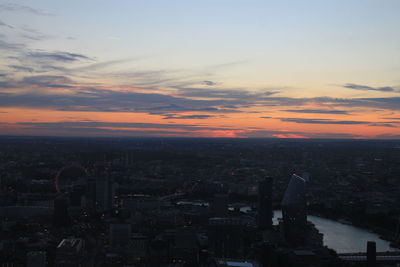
343,238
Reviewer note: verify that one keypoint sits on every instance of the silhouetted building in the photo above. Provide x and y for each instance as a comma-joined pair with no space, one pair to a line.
120,234
183,246
371,254
219,205
306,257
158,252
294,212
76,195
104,192
61,215
139,245
36,259
266,254
265,203
226,236
69,253
235,263
89,198
129,158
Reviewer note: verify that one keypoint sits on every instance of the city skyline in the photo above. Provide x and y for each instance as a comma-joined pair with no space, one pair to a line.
293,69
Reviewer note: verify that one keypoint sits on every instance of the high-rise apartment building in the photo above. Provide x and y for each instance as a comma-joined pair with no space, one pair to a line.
294,211
105,192
265,203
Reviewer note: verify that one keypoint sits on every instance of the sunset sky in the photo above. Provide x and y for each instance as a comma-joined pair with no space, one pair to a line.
200,68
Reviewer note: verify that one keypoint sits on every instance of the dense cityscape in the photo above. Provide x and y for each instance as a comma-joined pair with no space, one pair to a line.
195,202
199,133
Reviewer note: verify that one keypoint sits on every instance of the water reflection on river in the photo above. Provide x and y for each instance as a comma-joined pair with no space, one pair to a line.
342,237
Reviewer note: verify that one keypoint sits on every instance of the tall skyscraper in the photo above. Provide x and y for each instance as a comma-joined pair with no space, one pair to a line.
226,236
120,234
89,199
219,205
76,194
61,215
371,254
265,203
294,211
104,192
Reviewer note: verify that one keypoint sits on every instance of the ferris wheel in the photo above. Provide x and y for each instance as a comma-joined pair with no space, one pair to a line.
69,176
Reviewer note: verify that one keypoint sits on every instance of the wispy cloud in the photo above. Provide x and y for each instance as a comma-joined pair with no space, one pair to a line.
12,46
223,93
227,65
90,99
52,81
13,7
321,121
95,131
295,134
316,111
209,83
19,57
33,34
391,103
122,127
38,81
21,68
370,88
177,108
330,121
3,24
380,124
58,56
188,117
102,65
87,97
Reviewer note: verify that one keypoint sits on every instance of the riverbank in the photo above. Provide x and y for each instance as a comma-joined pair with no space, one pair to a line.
383,233
344,238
